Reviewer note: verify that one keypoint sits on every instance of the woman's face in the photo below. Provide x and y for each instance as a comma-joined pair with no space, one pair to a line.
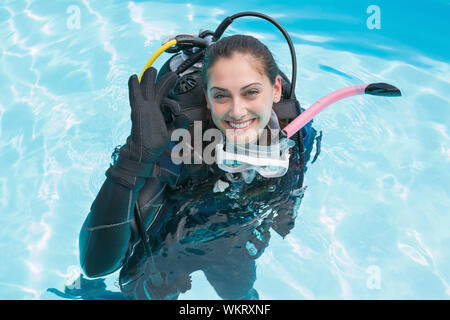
240,97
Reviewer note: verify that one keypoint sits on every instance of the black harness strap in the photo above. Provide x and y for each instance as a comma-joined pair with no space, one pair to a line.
287,109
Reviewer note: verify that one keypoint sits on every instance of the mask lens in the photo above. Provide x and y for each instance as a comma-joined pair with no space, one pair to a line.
233,166
271,171
272,162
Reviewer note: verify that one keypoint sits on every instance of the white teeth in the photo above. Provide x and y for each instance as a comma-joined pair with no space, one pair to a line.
240,125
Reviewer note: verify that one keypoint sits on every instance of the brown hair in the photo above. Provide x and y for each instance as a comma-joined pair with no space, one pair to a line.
225,47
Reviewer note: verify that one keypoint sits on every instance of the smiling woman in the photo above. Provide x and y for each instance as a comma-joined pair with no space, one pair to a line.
241,83
160,222
377,198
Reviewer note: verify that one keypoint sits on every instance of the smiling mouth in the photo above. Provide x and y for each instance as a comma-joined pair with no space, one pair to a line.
240,126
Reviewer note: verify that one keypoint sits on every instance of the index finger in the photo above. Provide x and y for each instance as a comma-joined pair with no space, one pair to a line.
135,92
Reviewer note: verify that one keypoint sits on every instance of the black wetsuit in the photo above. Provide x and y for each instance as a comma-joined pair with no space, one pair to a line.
189,228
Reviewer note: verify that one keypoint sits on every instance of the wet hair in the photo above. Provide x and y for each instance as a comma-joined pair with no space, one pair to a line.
227,46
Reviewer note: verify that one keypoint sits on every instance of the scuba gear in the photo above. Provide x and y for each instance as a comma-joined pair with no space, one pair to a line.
156,286
228,20
187,100
188,89
180,42
149,133
269,161
377,89
152,59
273,161
191,100
187,65
110,239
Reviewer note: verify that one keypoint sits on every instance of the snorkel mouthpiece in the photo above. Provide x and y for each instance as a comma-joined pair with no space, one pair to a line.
382,89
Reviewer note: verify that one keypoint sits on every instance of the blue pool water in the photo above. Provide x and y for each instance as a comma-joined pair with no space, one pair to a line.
374,222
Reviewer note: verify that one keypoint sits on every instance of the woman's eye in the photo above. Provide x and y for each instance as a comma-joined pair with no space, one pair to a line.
252,92
219,96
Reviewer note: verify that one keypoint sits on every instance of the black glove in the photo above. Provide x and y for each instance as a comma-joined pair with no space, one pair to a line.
149,133
259,239
284,222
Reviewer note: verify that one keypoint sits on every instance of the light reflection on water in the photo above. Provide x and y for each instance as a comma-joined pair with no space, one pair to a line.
377,196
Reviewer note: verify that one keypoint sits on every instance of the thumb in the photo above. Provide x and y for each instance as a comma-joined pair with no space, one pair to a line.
181,121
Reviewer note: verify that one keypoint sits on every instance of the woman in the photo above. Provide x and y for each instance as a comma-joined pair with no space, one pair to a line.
159,228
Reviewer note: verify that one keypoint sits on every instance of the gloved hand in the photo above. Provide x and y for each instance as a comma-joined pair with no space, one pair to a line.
149,133
259,239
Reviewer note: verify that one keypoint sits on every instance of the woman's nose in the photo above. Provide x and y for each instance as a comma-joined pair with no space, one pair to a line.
238,110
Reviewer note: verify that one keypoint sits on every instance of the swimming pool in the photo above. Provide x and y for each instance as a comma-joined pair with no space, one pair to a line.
374,221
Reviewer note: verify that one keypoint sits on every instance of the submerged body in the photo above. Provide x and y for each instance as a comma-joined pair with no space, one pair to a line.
196,217
160,222
220,233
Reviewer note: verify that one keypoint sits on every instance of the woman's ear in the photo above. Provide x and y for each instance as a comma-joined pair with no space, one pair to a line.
277,89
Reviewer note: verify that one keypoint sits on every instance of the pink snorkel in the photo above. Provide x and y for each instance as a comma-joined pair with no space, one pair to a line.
377,89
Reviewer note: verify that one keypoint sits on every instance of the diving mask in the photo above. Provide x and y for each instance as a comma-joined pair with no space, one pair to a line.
269,161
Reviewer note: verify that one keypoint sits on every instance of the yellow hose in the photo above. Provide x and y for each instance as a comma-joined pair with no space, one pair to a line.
155,56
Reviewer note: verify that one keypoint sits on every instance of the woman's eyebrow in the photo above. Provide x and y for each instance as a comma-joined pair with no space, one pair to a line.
243,88
251,84
217,88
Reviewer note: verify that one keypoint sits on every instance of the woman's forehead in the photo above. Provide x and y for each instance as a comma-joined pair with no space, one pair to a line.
237,71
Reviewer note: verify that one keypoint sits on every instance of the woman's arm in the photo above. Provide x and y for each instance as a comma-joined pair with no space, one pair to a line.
109,230
106,232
